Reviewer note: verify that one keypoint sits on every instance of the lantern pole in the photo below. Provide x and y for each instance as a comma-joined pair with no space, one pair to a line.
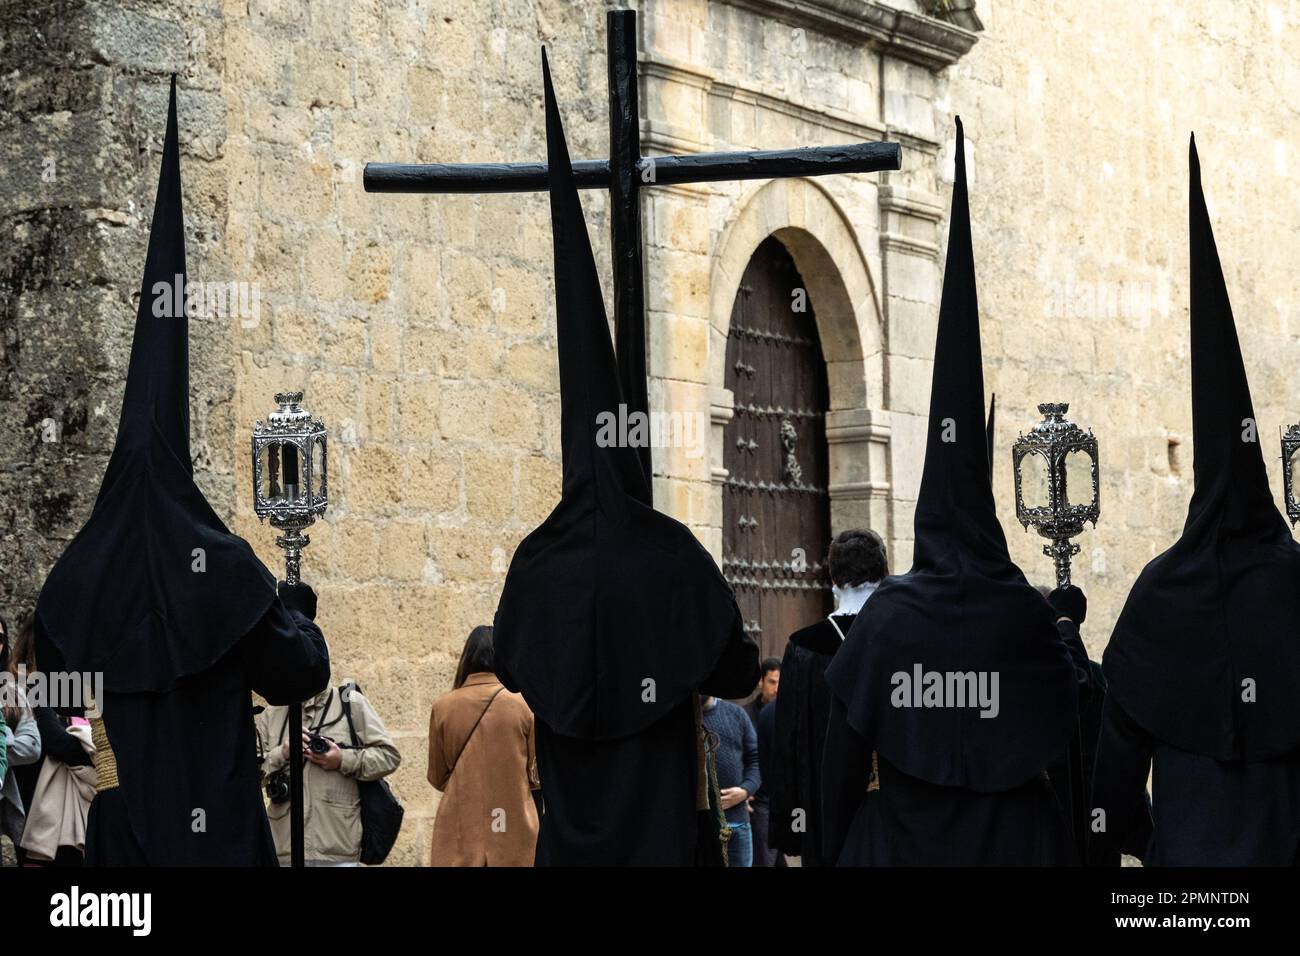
288,493
1053,440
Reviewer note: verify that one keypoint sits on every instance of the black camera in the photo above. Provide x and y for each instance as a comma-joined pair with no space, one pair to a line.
318,745
277,787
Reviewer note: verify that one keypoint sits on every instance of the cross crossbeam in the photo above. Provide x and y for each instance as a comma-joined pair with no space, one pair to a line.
624,174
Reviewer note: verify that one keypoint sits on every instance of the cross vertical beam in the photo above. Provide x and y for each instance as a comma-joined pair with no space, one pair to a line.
625,220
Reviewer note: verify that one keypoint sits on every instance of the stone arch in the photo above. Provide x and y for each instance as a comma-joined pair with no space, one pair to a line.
825,248
827,252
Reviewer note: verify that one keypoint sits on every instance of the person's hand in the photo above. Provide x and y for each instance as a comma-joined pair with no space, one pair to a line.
731,796
300,598
1069,602
331,759
750,804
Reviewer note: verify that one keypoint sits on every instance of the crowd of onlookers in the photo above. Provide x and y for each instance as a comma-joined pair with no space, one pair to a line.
48,779
482,758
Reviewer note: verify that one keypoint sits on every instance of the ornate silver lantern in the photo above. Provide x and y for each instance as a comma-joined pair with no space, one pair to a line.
290,483
1057,489
1290,445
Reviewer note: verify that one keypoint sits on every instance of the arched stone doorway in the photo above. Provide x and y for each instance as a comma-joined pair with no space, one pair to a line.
796,229
776,517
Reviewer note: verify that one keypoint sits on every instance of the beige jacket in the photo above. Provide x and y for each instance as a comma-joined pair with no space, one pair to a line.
331,800
486,816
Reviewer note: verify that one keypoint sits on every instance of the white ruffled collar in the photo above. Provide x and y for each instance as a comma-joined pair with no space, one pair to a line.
850,600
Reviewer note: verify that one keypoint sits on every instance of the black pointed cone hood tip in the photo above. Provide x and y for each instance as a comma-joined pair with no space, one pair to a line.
124,598
955,507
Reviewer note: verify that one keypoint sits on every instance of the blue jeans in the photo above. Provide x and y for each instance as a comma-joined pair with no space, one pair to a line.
740,848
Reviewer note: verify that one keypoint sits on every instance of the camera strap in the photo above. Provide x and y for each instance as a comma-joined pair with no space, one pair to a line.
320,719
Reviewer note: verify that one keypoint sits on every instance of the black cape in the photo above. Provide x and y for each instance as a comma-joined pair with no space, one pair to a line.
964,607
612,616
803,709
157,594
1222,605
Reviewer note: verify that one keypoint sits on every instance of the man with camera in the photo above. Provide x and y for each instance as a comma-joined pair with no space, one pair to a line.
343,744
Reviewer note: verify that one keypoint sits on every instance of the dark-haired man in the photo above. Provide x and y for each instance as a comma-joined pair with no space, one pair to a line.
767,687
857,564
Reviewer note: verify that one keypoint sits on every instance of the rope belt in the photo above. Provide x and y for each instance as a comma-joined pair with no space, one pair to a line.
105,762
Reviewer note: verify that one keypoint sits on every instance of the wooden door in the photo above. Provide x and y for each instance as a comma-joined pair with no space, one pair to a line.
776,509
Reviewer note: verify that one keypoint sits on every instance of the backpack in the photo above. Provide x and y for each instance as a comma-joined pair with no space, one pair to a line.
381,812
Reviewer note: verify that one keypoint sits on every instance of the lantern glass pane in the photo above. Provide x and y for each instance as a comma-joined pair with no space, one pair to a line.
1033,481
318,467
1078,478
291,470
1291,475
269,460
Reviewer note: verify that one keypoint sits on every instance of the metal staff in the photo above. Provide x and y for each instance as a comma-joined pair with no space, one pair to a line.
1057,447
290,488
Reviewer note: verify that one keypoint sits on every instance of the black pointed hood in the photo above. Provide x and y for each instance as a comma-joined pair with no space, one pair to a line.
1216,618
612,613
956,519
964,607
154,587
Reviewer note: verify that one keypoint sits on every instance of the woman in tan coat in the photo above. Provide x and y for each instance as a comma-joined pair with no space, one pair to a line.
481,757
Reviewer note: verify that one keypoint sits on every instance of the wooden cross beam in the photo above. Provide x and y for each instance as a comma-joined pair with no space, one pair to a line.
624,174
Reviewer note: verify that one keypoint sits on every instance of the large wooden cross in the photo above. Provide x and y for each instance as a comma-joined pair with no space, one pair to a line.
624,174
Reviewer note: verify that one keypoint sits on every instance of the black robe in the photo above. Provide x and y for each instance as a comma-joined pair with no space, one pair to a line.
189,778
892,818
630,801
1091,700
802,714
1208,812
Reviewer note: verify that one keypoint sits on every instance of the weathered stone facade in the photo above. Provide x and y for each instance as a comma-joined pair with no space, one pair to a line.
421,328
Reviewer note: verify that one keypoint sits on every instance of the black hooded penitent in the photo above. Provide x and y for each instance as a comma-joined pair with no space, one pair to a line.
1214,620
176,612
965,606
612,613
125,598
